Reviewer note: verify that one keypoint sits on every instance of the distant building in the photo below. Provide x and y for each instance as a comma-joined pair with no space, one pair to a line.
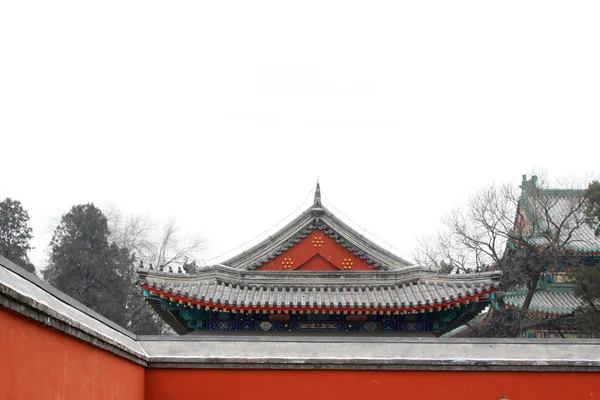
554,219
316,275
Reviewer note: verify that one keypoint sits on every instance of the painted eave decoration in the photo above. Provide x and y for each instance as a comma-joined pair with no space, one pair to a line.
224,288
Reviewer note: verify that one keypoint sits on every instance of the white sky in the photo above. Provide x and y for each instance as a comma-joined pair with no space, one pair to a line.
223,114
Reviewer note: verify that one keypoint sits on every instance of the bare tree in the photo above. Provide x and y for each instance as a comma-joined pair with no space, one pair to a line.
172,250
133,232
160,246
156,247
523,235
473,238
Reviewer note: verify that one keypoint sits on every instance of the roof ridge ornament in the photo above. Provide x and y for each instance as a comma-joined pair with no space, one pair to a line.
532,183
318,193
317,207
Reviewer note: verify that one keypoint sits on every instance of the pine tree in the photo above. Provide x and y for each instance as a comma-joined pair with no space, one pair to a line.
593,206
587,279
15,233
86,266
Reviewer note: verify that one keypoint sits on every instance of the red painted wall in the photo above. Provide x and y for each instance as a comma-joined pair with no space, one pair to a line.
37,362
332,385
329,256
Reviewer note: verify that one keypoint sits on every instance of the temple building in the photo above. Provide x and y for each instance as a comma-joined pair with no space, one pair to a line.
555,220
551,221
316,275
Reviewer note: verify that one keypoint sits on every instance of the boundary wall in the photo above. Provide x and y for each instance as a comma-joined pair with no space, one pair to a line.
54,347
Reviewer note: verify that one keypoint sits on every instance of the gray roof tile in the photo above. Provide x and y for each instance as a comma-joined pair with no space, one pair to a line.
227,286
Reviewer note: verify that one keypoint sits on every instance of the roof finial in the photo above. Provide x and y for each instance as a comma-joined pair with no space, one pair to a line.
318,193
529,184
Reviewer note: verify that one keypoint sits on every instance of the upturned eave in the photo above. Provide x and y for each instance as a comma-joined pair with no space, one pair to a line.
417,289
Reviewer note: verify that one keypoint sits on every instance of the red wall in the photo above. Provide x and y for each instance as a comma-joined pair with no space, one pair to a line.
37,362
332,385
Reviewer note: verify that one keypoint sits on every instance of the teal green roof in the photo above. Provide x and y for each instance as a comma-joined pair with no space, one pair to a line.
548,210
555,301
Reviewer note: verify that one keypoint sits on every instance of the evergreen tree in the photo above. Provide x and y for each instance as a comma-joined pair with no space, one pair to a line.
587,288
587,279
15,233
86,266
593,206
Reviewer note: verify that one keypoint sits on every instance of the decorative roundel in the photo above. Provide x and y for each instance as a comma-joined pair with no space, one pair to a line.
223,325
266,325
370,326
411,326
317,241
347,263
287,263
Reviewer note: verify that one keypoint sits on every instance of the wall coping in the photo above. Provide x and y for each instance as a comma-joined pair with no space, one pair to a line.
25,294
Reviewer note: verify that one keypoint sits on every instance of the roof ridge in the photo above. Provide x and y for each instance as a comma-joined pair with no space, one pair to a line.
561,192
317,216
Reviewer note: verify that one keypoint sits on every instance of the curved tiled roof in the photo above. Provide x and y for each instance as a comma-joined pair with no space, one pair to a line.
223,286
388,284
558,216
550,302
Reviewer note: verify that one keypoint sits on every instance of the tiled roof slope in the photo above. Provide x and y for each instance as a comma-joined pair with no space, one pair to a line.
221,285
554,302
548,211
317,217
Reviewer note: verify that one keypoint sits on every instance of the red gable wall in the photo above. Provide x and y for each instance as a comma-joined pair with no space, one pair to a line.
316,252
